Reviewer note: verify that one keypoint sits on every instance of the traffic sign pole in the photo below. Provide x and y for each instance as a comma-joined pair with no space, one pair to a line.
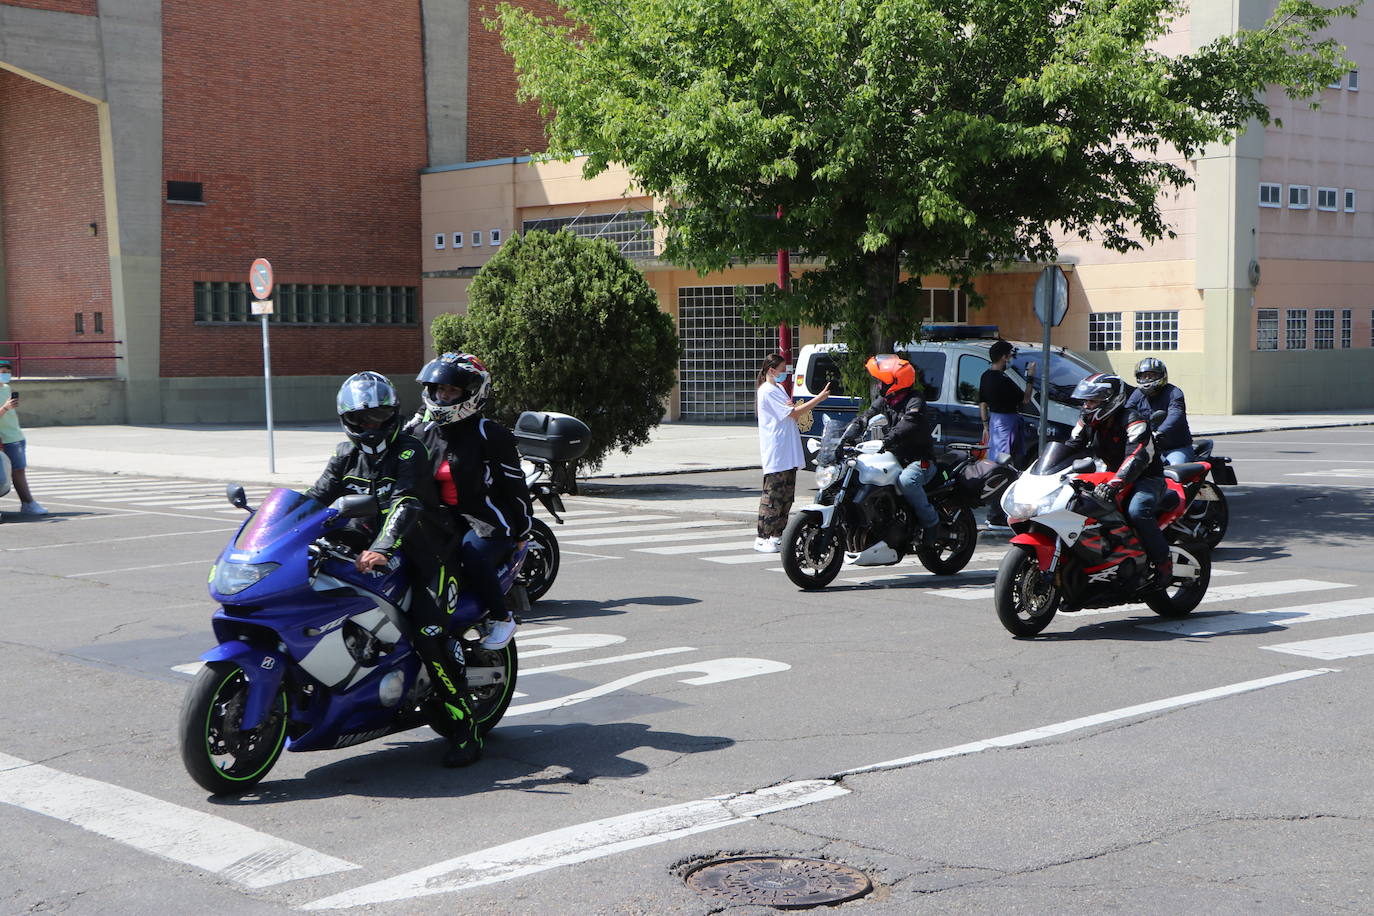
1051,303
260,280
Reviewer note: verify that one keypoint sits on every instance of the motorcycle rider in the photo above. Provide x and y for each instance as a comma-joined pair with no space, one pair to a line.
1121,438
380,460
1153,392
908,436
481,485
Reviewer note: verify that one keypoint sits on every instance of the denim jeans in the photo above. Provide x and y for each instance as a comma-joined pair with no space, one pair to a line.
912,484
1182,455
1143,511
481,557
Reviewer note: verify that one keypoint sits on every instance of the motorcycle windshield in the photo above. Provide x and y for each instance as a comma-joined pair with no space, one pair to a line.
282,511
1065,372
830,440
1058,457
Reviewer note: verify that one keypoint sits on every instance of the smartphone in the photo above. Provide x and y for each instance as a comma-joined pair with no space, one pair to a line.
14,395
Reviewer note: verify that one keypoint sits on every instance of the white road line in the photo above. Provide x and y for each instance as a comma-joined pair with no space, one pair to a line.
695,548
608,660
651,537
608,836
1329,649
965,574
744,558
1264,620
676,524
712,671
120,540
219,846
125,569
126,511
593,524
583,842
572,642
1225,593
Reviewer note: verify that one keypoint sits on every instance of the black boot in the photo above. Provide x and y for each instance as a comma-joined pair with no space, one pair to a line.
463,750
1164,574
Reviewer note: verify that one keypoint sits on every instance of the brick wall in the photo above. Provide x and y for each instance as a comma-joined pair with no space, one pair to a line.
50,193
305,122
83,7
497,127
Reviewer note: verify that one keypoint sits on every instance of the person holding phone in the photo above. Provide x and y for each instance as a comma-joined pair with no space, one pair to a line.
12,438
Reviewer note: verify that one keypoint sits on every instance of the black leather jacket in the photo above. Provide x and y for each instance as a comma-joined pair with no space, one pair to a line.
481,456
908,427
401,478
1123,441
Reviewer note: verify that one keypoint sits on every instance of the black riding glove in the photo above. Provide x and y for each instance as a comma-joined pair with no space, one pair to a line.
1106,492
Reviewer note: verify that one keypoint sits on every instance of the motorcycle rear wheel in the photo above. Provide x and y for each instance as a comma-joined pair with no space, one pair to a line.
805,564
217,754
1185,592
488,703
1025,601
541,562
1215,514
953,553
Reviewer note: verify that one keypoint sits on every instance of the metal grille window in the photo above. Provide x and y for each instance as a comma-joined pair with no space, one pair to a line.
721,352
1104,331
1346,329
1324,330
1156,330
309,303
1267,329
1296,338
628,230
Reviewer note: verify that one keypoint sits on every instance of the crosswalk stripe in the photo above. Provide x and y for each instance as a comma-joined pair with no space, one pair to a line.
655,526
744,558
1263,620
695,548
1332,647
217,845
640,539
594,523
1225,593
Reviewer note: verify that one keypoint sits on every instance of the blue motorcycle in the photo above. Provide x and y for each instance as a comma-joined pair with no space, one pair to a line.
315,655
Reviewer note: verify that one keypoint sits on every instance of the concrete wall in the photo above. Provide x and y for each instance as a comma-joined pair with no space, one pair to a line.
295,399
71,401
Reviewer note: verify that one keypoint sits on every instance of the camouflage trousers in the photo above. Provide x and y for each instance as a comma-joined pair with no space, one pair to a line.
779,489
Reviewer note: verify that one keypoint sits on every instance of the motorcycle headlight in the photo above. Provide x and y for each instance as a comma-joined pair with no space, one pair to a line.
232,578
1028,498
826,475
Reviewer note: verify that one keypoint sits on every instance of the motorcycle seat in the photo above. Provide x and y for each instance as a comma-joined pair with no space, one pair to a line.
1186,473
1202,447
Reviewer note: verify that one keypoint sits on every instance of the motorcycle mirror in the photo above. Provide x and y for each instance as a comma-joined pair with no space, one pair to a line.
1084,466
813,445
237,498
1157,418
356,506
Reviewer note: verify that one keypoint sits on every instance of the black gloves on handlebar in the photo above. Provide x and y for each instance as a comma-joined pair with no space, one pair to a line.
852,432
1106,492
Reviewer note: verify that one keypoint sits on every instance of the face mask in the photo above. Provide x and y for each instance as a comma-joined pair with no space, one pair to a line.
5,378
782,375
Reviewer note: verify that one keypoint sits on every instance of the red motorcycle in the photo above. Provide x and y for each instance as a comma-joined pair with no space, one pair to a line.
1071,551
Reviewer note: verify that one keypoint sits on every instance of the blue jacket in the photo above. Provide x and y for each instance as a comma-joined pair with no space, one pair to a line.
1173,432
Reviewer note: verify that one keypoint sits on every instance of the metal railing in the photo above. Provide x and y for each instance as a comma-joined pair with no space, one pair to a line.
14,351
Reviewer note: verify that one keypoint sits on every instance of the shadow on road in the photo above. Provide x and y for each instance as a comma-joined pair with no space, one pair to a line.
550,609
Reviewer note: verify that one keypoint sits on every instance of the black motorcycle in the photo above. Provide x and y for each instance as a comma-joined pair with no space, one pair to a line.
860,512
1208,514
550,443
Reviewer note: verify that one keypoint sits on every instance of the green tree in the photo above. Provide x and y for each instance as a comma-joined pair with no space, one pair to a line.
900,137
567,324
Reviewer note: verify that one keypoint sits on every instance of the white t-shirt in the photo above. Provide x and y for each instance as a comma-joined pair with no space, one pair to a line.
780,443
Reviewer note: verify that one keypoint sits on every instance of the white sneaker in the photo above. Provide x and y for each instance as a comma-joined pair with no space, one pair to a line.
32,509
767,545
500,635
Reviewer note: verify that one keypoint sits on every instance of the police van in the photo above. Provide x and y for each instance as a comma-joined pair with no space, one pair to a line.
951,360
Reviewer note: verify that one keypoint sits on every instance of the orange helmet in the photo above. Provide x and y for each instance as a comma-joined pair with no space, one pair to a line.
894,373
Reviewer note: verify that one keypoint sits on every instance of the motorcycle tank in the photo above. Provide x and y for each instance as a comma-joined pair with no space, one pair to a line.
880,470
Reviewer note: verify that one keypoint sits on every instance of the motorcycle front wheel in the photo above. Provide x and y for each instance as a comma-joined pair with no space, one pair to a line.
219,754
1026,599
811,556
541,561
951,553
1192,576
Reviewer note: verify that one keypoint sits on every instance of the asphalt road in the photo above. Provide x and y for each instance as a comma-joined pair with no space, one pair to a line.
681,699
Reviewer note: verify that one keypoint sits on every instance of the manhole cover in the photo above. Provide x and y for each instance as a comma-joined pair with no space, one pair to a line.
784,882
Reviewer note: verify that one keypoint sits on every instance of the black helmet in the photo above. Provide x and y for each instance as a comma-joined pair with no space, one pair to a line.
461,370
368,410
1107,390
1151,366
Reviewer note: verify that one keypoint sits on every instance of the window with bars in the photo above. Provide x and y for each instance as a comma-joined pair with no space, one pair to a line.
1324,329
1104,331
1156,330
1295,337
628,230
1267,329
308,303
1347,329
721,352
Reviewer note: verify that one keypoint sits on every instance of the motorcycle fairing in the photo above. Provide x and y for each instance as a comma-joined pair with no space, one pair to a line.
262,668
823,511
1045,548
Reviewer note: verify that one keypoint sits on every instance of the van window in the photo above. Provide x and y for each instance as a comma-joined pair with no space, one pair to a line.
819,372
971,369
932,366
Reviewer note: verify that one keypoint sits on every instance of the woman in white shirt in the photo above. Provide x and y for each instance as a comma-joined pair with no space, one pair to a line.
780,447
